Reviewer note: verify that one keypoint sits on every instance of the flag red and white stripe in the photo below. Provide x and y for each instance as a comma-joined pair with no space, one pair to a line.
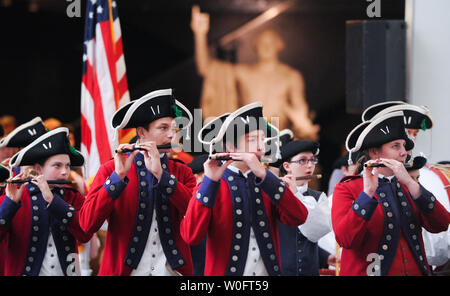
104,85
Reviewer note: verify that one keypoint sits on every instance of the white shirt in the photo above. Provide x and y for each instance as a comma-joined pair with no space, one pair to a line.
318,222
153,261
254,266
50,265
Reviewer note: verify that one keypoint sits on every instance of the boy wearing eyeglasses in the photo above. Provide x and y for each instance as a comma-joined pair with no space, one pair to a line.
300,253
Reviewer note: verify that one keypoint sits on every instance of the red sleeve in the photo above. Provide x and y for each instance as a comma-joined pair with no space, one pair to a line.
98,204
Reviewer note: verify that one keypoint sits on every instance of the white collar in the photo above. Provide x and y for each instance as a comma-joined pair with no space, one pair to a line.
302,189
389,178
236,170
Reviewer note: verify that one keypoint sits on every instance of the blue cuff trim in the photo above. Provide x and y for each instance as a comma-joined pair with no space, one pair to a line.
272,186
8,210
167,183
207,192
115,186
61,210
364,206
426,201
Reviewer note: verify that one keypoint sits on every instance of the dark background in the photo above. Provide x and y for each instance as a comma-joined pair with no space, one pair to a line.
41,55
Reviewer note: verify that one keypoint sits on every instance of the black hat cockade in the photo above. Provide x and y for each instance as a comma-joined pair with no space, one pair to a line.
417,163
415,117
196,165
378,131
51,143
24,134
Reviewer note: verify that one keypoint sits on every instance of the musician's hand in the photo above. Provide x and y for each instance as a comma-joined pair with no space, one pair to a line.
41,182
252,162
14,191
402,175
122,163
370,181
213,169
199,21
291,182
152,160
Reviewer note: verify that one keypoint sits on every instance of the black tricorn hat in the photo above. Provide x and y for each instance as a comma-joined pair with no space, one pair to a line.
244,120
414,117
417,163
210,130
51,143
374,109
196,164
4,174
24,134
378,131
154,105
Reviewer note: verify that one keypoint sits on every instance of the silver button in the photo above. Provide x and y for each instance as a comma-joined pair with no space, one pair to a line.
143,183
239,224
238,235
166,219
272,257
430,206
281,188
174,252
64,220
136,239
277,196
230,178
205,199
256,189
276,268
388,237
129,261
2,222
133,250
262,223
143,205
164,166
266,234
234,188
391,226
239,211
171,182
259,212
168,230
258,201
35,218
139,228
199,195
181,261
69,214
238,199
33,249
112,187
356,206
169,190
143,173
34,197
363,212
233,269
269,246
237,247
61,191
36,228
141,217
67,248
412,226
382,194
400,193
404,203
234,258
385,247
139,162
30,259
386,204
27,268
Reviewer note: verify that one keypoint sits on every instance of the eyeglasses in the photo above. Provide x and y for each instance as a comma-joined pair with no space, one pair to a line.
304,161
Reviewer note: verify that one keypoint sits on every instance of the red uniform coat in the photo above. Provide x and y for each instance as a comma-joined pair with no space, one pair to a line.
221,210
384,230
25,227
123,206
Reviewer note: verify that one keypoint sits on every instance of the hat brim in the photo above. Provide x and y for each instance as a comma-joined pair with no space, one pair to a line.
32,153
24,134
375,109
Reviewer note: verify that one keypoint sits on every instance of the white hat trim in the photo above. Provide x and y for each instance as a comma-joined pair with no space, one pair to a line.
5,141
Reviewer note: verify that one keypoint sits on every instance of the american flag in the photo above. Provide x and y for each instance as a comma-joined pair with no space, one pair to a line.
104,86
